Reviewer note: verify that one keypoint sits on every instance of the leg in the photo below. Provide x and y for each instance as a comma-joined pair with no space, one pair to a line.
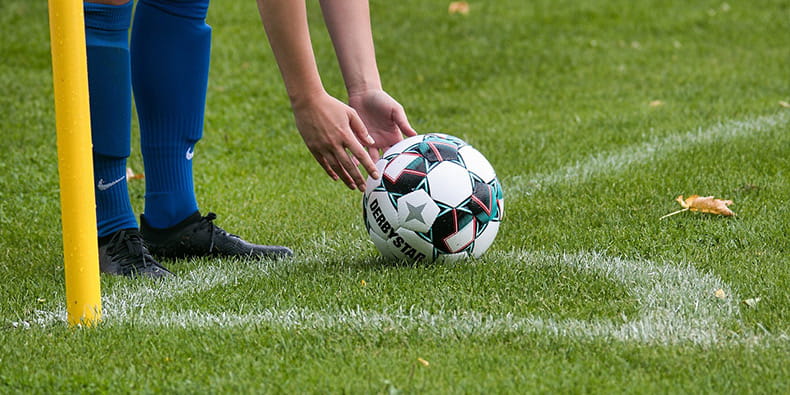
106,34
121,249
170,61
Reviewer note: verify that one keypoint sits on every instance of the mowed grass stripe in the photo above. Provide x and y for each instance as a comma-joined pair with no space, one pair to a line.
648,151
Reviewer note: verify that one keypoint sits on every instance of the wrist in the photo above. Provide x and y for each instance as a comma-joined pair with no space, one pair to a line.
361,87
303,97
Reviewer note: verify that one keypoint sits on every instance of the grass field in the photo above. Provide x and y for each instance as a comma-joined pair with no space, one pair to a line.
595,114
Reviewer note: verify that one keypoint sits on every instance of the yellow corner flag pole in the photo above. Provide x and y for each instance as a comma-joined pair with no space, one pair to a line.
72,119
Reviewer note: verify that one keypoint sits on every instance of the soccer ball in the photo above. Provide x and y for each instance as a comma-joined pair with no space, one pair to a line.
438,199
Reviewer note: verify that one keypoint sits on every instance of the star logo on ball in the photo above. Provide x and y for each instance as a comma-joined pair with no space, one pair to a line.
415,212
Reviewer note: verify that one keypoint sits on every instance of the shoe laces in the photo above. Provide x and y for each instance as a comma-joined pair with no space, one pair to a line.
213,229
127,246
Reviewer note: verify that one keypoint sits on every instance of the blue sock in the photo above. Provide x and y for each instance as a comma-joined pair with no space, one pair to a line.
107,40
170,48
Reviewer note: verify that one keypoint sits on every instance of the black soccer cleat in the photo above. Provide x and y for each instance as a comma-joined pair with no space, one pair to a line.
198,236
123,253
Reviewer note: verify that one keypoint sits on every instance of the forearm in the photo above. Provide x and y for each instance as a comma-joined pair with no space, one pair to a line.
348,22
285,22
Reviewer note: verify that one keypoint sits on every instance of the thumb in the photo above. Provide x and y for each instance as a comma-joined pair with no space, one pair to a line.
374,154
403,123
359,129
361,132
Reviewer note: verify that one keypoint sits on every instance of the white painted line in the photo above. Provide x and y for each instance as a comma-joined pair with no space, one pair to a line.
676,305
651,150
676,302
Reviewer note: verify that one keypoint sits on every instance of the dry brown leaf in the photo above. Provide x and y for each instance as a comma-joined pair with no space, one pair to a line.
720,294
784,104
131,176
707,204
656,103
423,362
458,7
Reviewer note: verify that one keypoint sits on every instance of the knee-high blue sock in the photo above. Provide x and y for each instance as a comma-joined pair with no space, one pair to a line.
107,40
170,48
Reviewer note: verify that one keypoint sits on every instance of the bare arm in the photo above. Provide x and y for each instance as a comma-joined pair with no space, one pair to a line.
348,22
328,126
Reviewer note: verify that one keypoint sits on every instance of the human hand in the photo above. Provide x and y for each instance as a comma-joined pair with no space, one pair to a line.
332,132
384,118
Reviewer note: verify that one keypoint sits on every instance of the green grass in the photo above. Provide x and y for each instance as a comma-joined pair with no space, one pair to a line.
557,95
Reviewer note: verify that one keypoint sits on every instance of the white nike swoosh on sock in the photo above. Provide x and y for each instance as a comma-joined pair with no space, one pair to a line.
190,153
103,187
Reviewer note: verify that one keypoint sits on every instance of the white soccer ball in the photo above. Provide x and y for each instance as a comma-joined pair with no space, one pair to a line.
438,198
